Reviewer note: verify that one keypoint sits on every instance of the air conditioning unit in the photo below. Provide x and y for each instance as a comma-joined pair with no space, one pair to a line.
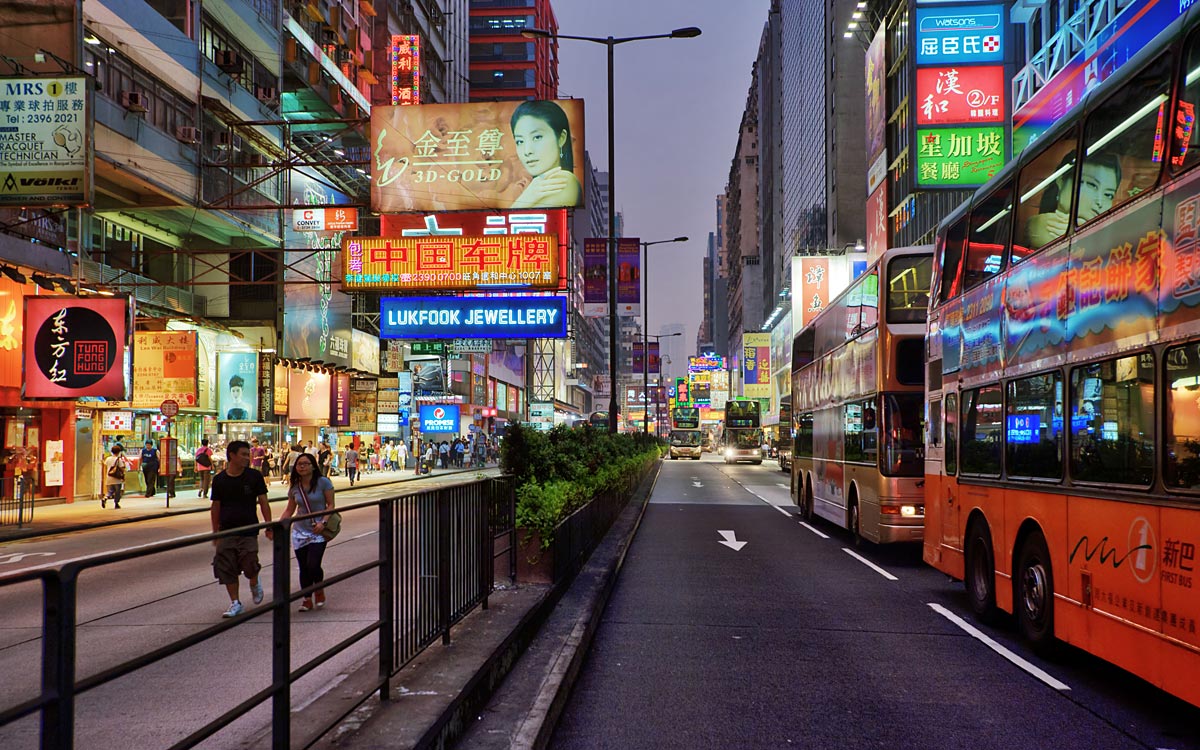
230,61
345,56
134,101
227,140
266,93
256,159
187,134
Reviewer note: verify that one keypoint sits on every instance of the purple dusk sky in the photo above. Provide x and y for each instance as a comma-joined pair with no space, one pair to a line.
678,106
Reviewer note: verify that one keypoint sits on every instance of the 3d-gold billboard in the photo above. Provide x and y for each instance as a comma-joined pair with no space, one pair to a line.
452,263
497,155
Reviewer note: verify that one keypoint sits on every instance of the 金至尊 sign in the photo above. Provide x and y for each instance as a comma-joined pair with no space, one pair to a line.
451,263
959,156
478,155
961,95
45,141
472,317
75,347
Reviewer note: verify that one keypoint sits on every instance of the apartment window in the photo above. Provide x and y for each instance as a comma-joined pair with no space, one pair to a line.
165,109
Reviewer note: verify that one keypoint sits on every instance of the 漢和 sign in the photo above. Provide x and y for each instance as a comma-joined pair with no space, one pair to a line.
439,418
472,317
962,34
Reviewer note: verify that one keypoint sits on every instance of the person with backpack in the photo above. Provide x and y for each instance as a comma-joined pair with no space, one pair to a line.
204,467
115,467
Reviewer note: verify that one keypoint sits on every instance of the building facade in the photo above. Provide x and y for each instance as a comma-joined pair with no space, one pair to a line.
506,65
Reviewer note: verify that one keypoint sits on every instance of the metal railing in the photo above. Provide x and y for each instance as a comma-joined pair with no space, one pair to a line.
435,564
578,535
16,501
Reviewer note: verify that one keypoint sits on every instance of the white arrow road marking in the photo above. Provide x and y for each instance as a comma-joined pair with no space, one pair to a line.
731,541
869,564
14,557
993,645
697,484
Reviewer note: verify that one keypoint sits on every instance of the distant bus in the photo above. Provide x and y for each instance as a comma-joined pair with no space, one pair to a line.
1063,453
783,446
599,420
686,437
857,403
742,435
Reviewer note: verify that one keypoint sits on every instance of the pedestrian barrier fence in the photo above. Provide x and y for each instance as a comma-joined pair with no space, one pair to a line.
437,552
16,501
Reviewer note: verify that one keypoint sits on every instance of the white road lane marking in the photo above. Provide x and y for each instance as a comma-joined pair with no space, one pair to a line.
15,557
999,649
730,540
869,564
787,487
815,530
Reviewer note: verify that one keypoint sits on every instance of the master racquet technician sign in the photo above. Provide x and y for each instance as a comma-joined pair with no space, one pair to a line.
473,317
45,146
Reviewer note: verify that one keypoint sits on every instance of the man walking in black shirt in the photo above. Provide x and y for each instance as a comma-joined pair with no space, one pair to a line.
235,493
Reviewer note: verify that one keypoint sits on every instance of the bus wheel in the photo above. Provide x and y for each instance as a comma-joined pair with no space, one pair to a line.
807,511
1035,593
981,573
855,523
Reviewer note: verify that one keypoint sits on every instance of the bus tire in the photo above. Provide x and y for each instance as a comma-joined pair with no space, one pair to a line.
807,512
1035,593
855,521
980,572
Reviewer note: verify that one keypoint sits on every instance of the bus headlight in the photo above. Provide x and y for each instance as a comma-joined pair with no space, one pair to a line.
729,452
909,510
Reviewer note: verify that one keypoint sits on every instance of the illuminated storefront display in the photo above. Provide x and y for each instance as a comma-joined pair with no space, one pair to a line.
76,347
497,155
309,397
451,263
960,95
406,69
959,157
472,317
164,367
237,386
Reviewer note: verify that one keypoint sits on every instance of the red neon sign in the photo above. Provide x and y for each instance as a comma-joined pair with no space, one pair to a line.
406,69
960,95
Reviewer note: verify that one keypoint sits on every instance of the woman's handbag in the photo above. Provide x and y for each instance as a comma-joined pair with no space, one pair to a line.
333,521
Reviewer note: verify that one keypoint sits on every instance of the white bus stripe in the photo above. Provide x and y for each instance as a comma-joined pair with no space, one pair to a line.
869,564
993,645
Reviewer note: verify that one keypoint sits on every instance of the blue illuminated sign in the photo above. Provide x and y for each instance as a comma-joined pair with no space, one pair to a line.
964,34
1024,428
517,317
440,418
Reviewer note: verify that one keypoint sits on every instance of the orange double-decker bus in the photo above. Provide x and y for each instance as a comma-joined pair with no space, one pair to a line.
1062,454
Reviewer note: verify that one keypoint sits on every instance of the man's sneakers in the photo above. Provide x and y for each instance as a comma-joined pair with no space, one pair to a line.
256,590
236,608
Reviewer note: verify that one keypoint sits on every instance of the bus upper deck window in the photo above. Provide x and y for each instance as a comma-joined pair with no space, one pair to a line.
1123,144
1185,143
1044,197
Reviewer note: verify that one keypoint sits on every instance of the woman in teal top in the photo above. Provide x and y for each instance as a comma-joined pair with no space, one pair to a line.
309,492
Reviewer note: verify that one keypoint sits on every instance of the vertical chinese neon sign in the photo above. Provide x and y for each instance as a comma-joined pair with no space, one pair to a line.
406,69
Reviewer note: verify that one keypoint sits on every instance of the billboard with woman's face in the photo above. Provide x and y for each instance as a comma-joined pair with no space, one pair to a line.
494,155
237,386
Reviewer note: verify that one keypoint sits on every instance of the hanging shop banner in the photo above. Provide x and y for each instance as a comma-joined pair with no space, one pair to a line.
339,402
961,95
363,402
45,141
595,277
266,387
325,219
426,377
308,404
756,365
472,346
237,386
629,277
655,359
164,368
280,401
76,347
877,223
477,224
960,34
404,390
440,418
364,348
406,69
398,264
472,317
959,157
481,155
876,78
814,289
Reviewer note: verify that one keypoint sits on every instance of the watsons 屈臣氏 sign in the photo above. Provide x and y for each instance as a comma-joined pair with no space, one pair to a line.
472,317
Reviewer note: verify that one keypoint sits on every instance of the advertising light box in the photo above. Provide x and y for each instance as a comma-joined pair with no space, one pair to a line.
440,418
451,263
960,95
473,317
963,34
490,155
959,157
75,347
46,142
476,223
325,219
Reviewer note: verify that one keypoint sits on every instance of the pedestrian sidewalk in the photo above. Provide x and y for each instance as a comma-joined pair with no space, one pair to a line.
87,514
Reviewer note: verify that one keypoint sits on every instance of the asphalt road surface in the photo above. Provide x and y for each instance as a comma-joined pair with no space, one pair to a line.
734,625
129,608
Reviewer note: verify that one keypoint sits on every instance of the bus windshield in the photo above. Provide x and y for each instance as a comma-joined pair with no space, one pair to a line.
903,454
743,439
686,438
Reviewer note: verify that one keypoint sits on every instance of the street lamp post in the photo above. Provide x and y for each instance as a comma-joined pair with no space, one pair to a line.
646,320
646,370
611,43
